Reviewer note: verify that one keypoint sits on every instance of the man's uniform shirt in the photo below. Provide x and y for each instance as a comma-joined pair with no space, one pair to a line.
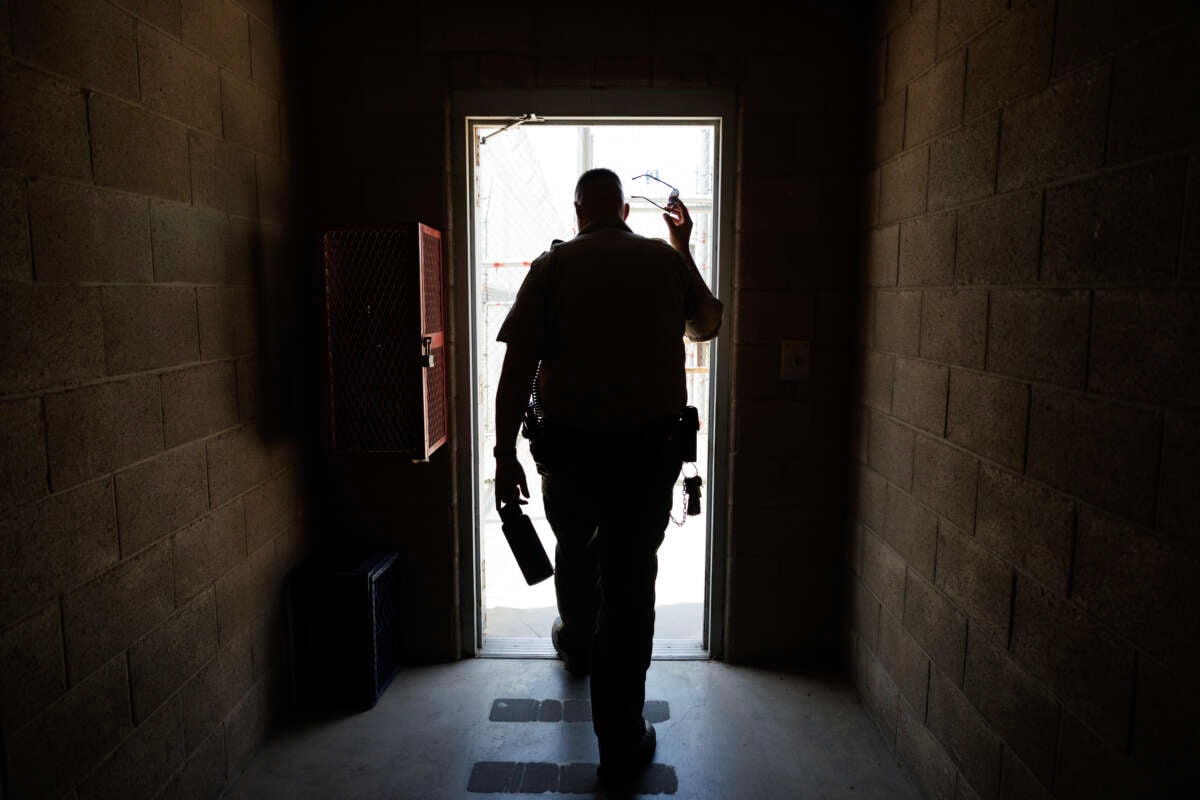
606,312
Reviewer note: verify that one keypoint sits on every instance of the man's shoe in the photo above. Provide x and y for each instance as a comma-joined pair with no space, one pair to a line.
621,766
576,663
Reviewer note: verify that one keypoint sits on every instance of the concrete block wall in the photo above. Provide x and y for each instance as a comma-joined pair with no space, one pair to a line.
378,115
1023,523
145,525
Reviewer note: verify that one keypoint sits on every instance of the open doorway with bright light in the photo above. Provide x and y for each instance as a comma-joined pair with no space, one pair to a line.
521,182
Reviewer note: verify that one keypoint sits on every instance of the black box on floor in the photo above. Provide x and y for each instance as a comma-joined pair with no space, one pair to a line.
343,621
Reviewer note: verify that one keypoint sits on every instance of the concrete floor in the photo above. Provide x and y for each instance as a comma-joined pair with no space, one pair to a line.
732,733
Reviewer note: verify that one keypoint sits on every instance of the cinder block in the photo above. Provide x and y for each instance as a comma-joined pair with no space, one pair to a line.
1057,133
953,326
244,593
222,175
945,478
1017,782
163,13
865,327
1089,29
883,573
911,530
1091,674
869,209
271,509
1027,524
879,696
576,72
15,261
936,625
1137,584
207,549
31,661
1023,321
889,126
918,748
864,613
877,380
237,460
1000,241
1190,266
160,495
904,661
247,726
854,543
228,324
1164,717
43,130
88,40
143,762
927,251
101,428
179,82
84,234
882,253
902,185
266,65
965,733
215,690
272,189
1146,346
1011,59
977,581
102,618
22,452
988,416
890,449
959,20
1087,766
935,100
1019,708
166,657
148,327
247,252
138,151
962,164
1120,227
220,30
248,378
768,316
885,16
63,745
898,322
262,10
870,497
251,117
919,394
1098,451
55,545
198,401
204,773
1146,115
1179,478
191,245
911,46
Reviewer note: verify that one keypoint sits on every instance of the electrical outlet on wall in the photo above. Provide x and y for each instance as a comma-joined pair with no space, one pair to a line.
794,360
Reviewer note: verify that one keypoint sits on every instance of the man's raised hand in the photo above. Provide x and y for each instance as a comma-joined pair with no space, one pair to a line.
679,225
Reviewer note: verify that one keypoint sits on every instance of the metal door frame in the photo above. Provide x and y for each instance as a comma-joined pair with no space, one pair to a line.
591,107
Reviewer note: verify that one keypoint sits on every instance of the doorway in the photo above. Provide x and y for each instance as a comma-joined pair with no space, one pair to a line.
520,188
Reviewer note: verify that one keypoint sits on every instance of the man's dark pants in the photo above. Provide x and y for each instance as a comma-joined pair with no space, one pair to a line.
608,499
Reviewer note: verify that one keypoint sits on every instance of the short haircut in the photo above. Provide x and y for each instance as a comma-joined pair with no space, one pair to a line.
605,180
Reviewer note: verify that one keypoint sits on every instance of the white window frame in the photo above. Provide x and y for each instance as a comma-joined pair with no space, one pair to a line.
586,107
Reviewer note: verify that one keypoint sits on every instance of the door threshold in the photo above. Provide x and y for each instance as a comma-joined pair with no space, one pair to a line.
540,647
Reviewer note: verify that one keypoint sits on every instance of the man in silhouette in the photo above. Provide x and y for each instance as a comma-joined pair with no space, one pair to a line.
600,321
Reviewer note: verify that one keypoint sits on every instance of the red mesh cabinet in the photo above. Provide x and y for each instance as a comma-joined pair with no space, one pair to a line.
386,343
